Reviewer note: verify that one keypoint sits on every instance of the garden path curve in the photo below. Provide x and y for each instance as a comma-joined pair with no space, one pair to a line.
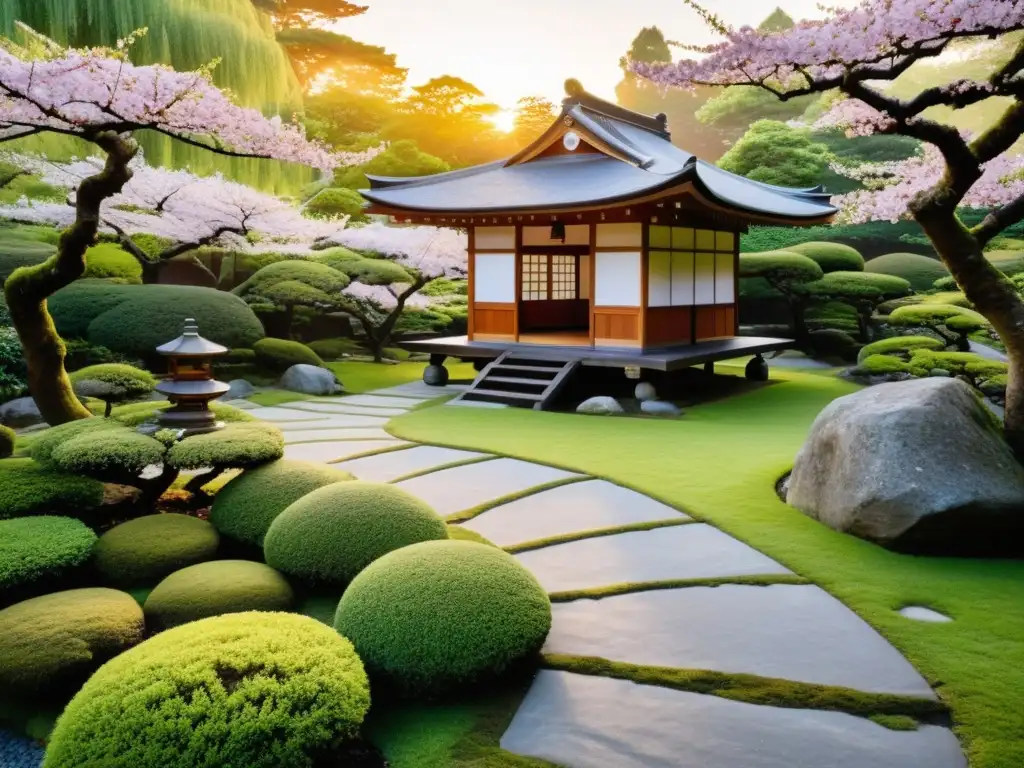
643,585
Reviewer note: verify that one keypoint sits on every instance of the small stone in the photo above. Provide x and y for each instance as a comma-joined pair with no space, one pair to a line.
435,375
22,412
600,406
659,408
920,613
645,391
240,388
310,380
940,372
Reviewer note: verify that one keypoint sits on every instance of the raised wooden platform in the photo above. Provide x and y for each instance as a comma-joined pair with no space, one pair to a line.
663,359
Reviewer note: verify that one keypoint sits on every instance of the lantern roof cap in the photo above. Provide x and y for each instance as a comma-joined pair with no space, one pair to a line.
191,344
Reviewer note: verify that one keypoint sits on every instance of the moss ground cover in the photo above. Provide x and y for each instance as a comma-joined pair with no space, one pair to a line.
362,377
140,552
39,551
27,488
720,463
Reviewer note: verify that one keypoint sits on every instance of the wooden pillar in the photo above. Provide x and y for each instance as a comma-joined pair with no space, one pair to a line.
471,282
518,277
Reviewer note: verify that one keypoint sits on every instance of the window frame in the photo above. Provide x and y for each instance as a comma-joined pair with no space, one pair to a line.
546,260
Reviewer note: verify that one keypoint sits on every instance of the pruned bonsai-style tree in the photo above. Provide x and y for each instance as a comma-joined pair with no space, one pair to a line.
98,95
787,274
863,291
855,52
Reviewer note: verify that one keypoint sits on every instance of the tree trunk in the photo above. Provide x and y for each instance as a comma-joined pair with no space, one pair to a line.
798,305
151,271
27,289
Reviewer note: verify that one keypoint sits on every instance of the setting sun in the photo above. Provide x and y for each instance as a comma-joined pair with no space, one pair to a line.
505,120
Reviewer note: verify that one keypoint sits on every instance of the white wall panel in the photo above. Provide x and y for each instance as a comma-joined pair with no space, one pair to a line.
494,278
619,235
495,237
575,234
725,287
659,237
659,279
682,279
704,279
617,279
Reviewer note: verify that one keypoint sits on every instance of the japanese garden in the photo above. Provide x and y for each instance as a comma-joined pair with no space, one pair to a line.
416,386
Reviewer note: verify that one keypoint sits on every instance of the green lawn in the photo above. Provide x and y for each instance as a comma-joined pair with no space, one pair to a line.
362,377
720,463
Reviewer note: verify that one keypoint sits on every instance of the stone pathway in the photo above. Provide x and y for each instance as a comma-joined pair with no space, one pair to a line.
617,564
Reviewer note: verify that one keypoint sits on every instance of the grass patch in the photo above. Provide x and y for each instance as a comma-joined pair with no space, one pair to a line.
720,464
276,397
754,689
357,377
440,467
465,534
526,546
625,588
895,722
479,509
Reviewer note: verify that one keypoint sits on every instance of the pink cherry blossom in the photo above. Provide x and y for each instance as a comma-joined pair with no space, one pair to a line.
431,251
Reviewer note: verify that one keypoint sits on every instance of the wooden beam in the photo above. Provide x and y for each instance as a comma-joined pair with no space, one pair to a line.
471,278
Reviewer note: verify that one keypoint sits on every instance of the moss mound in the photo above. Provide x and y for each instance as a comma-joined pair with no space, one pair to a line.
28,488
280,354
244,508
897,345
444,614
333,349
140,552
213,589
112,382
237,445
334,532
41,550
7,440
920,271
110,261
138,413
266,690
831,257
58,639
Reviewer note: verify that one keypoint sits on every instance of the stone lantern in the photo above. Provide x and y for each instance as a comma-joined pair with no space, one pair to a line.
191,386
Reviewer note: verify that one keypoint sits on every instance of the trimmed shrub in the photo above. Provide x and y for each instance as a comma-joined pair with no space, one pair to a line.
831,257
237,445
312,273
441,615
281,354
7,439
73,308
780,267
899,344
18,252
58,639
28,488
140,552
108,260
244,508
377,272
139,413
240,357
334,532
46,442
41,550
101,452
880,365
213,589
930,315
920,271
269,689
332,349
340,258
832,315
334,202
959,363
855,286
112,382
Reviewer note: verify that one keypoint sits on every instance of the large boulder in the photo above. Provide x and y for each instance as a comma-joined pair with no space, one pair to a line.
239,388
22,412
917,466
310,380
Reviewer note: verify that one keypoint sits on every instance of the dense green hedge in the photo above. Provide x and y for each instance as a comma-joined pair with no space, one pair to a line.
28,488
281,354
73,308
213,589
831,257
7,440
856,286
108,260
241,446
898,344
244,508
442,615
920,271
312,273
252,690
41,549
334,532
20,252
869,239
335,202
60,638
140,552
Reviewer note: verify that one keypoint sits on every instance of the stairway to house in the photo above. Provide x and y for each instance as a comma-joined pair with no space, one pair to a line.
520,381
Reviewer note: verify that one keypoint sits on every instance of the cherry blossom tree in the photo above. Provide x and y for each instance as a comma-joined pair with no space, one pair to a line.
98,95
856,52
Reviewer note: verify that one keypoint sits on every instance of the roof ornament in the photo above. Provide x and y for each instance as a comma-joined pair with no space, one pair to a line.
574,87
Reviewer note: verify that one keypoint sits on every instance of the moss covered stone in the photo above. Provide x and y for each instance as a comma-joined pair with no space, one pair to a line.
281,354
28,488
244,509
41,550
58,639
140,552
897,345
920,271
212,589
334,532
7,440
269,690
442,615
831,257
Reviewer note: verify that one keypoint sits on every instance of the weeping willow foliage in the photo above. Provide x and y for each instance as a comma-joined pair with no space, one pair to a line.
185,34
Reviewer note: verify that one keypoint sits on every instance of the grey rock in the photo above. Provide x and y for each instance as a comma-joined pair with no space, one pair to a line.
920,613
239,388
659,408
600,406
855,376
435,375
940,373
918,466
645,391
310,380
22,412
599,722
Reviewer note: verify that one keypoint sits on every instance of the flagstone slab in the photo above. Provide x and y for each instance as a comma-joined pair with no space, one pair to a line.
589,506
378,401
277,413
395,464
794,632
597,722
694,551
344,433
342,407
332,421
329,453
460,488
419,389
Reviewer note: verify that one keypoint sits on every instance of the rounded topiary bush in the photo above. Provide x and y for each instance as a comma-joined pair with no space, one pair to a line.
440,615
266,690
899,344
281,354
334,532
931,315
831,257
112,382
311,273
134,414
140,552
7,438
241,446
332,349
58,639
39,551
920,271
212,589
28,488
244,508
